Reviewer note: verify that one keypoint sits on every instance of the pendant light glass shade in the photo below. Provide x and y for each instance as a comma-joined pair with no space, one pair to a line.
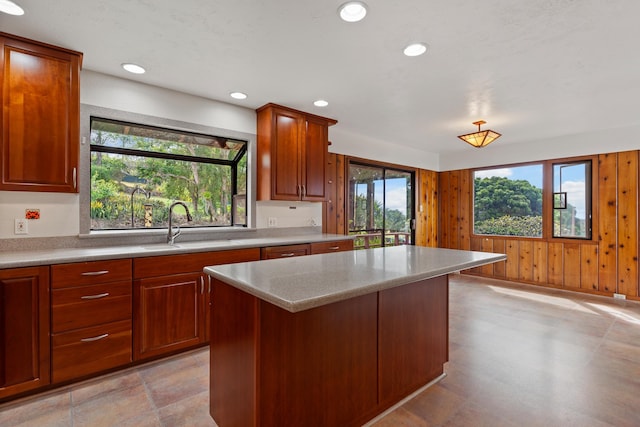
481,138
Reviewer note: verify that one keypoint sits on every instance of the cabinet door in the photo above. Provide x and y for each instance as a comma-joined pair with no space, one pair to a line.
167,313
40,116
24,329
314,152
275,252
82,352
207,304
328,247
285,172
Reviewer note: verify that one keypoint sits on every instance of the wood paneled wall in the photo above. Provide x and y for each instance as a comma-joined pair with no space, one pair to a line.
427,208
334,209
605,265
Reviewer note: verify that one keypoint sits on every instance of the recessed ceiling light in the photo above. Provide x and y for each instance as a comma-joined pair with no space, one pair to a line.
134,68
320,103
415,49
353,11
11,8
238,95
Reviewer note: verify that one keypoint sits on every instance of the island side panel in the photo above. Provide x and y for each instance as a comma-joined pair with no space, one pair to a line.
233,358
319,366
414,337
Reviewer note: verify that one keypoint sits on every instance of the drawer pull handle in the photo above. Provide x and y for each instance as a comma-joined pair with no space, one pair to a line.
334,248
99,337
95,273
98,296
288,254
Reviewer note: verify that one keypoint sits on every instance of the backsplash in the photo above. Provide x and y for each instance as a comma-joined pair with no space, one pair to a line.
58,214
275,214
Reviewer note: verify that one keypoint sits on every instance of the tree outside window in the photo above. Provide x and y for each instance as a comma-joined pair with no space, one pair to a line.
508,201
137,171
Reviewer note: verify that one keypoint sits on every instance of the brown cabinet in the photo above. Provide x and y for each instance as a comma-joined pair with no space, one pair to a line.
91,307
292,154
40,115
172,300
287,251
24,330
334,246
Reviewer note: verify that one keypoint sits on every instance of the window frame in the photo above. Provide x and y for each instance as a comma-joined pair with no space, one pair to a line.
547,200
588,199
84,174
132,152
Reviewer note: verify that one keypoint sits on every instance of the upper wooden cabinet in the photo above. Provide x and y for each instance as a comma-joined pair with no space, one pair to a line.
292,154
40,135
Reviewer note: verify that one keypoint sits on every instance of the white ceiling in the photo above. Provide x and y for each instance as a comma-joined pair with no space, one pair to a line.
533,69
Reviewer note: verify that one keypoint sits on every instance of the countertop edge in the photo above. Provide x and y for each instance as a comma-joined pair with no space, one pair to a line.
69,255
324,299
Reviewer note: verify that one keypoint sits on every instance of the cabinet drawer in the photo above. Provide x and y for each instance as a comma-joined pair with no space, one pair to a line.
91,272
84,306
90,350
274,252
328,247
188,263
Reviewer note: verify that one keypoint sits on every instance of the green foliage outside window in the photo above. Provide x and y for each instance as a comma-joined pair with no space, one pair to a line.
129,162
507,207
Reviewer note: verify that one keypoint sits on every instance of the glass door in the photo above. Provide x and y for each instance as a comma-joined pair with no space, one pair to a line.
380,206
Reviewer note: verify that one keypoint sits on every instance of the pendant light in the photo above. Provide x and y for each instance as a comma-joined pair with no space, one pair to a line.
481,138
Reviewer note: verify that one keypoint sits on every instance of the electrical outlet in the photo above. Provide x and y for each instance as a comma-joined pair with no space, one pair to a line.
272,222
619,296
20,226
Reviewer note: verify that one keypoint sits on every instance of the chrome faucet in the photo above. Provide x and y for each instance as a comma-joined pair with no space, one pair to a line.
138,190
171,236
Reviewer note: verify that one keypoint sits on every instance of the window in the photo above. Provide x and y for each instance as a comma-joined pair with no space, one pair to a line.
508,201
380,206
137,171
572,200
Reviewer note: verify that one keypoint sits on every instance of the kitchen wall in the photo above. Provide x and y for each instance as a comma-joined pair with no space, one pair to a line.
60,213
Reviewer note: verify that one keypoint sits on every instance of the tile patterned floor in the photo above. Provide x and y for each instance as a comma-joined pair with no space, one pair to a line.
171,392
519,356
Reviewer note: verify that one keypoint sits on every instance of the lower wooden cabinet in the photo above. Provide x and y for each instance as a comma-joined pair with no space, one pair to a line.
334,246
169,314
69,321
81,352
172,300
91,316
24,330
287,251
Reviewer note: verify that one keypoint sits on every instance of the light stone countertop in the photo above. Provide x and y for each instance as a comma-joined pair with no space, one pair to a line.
29,258
301,283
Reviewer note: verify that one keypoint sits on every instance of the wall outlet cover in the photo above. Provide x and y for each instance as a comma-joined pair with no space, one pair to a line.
20,226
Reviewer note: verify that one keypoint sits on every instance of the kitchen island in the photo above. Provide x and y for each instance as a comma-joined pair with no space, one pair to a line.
328,340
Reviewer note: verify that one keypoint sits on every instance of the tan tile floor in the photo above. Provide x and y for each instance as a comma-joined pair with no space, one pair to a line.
519,356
